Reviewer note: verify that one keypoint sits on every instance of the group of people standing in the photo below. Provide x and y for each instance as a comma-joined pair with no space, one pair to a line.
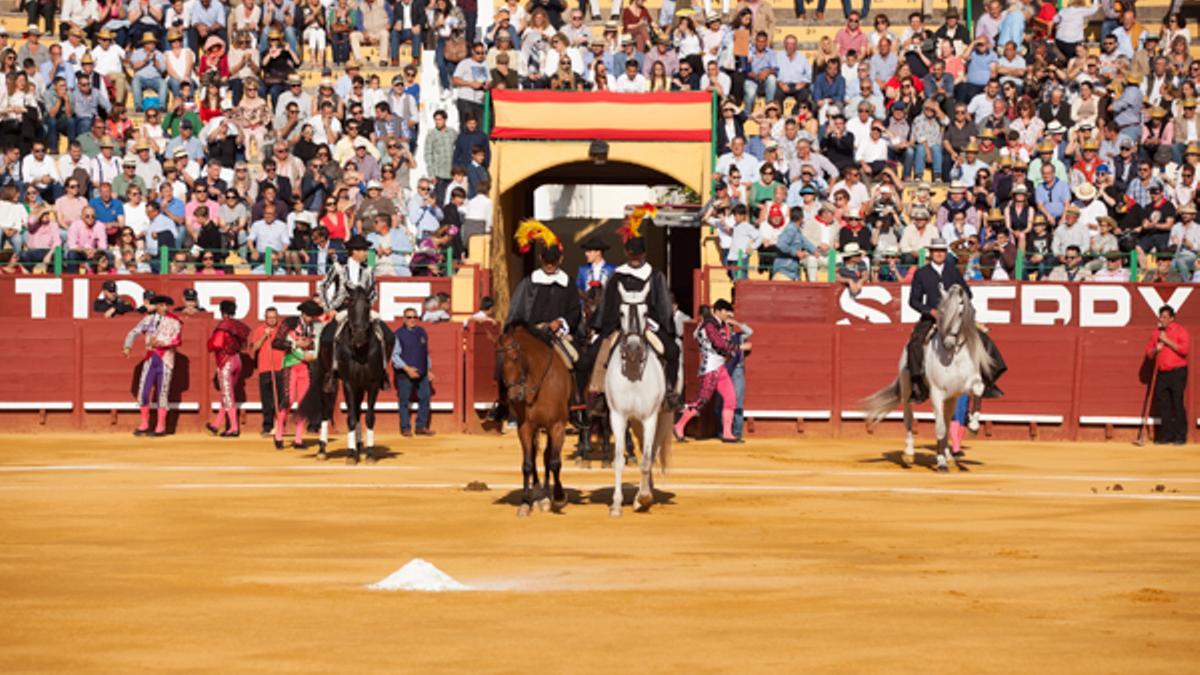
285,351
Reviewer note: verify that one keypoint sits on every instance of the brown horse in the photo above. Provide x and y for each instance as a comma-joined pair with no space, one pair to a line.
539,394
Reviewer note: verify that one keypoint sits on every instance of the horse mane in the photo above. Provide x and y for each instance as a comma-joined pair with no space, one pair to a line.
539,335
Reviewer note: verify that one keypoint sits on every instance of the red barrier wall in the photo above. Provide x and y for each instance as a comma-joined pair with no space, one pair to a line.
1075,355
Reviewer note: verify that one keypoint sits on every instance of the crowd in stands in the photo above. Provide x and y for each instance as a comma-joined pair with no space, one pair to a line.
181,136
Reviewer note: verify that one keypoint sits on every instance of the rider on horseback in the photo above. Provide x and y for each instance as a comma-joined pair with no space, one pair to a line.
335,290
928,284
546,300
632,277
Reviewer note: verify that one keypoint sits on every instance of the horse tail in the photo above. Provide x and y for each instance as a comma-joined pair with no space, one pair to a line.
312,406
879,404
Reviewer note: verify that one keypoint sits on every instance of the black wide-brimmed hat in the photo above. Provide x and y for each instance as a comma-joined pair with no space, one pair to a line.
635,246
311,308
594,243
162,300
357,243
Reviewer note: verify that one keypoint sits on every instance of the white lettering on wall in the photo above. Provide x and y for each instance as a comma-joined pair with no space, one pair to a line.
907,313
1032,316
396,296
854,307
209,294
37,290
1091,316
134,291
270,294
1154,299
82,298
981,297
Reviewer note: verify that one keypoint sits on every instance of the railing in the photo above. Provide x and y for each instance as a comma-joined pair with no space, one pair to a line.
162,265
743,269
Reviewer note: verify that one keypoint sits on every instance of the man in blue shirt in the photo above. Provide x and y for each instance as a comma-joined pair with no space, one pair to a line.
761,70
393,249
268,233
795,73
207,18
148,68
414,372
109,210
1052,195
829,86
981,67
162,231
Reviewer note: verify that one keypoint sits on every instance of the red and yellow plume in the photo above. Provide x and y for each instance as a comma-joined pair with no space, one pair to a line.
633,224
531,229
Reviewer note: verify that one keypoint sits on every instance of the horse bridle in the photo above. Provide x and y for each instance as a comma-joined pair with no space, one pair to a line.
633,308
509,345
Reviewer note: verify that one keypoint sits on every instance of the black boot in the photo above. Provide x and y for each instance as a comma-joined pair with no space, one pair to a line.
990,390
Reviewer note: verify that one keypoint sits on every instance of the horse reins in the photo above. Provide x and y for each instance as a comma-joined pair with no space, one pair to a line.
530,394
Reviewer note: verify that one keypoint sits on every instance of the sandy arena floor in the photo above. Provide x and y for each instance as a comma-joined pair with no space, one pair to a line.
194,554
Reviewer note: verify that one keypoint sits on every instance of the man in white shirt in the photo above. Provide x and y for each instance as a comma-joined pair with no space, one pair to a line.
268,233
470,82
861,124
326,128
110,63
859,194
631,81
737,156
74,159
106,166
39,170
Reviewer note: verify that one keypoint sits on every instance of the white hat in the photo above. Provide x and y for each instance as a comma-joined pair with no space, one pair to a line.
938,244
1085,192
32,29
850,250
958,186
1055,127
361,142
374,185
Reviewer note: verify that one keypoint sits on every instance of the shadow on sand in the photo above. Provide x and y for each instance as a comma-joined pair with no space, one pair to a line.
598,496
925,460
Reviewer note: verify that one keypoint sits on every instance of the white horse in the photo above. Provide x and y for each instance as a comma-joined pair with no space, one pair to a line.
635,386
956,361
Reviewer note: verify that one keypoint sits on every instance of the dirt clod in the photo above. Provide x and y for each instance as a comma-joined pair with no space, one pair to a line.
1118,488
477,486
1160,488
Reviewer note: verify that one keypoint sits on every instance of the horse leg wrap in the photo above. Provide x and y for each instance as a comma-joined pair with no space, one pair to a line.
350,441
324,432
370,438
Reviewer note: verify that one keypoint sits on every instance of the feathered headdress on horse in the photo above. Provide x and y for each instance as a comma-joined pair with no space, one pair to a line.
530,231
641,215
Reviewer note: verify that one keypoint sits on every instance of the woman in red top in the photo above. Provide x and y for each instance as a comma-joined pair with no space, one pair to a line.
226,343
334,221
210,104
635,20
1169,348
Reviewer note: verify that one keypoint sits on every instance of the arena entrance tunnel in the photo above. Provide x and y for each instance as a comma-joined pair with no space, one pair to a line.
595,138
673,244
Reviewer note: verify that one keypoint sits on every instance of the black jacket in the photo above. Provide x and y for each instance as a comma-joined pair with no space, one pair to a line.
658,301
541,299
927,285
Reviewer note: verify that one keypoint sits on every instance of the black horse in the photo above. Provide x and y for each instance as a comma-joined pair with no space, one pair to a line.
361,369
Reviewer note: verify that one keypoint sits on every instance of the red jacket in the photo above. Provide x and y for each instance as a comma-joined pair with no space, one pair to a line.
1170,359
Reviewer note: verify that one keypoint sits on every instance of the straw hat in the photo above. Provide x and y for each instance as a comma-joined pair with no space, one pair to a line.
1085,192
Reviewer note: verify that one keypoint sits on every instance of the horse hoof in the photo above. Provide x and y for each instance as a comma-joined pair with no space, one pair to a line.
523,511
371,459
365,458
558,505
644,501
321,456
544,504
614,511
942,468
352,459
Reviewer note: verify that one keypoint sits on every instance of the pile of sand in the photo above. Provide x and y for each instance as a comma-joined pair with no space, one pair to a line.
418,575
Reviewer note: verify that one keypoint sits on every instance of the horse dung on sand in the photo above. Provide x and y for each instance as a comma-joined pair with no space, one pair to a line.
956,362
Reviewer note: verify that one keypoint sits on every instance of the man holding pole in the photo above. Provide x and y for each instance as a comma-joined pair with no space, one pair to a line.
1169,348
271,385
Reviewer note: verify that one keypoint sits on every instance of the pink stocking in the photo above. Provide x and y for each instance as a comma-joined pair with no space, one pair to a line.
689,413
727,423
145,425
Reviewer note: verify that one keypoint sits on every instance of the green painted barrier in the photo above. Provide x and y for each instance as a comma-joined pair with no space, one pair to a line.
58,261
268,263
1020,267
831,267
